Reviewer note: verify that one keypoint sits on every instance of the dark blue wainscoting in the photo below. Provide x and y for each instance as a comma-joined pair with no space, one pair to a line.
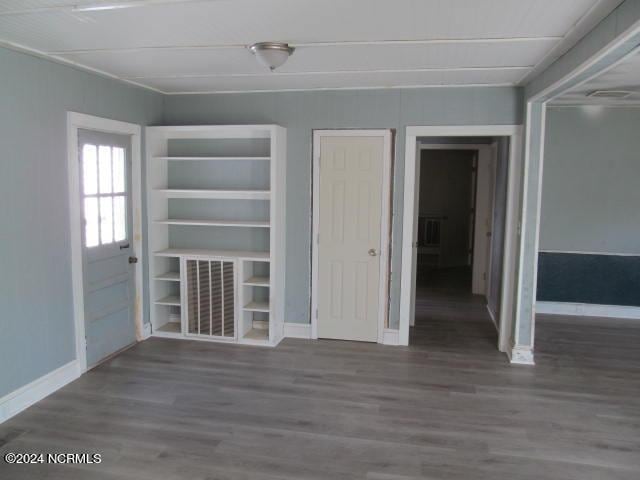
582,278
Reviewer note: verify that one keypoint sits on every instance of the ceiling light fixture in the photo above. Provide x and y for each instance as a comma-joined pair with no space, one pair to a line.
271,54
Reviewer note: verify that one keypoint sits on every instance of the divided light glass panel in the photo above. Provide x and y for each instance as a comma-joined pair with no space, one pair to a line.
104,194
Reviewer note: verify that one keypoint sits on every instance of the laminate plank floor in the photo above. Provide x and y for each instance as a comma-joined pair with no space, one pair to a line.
447,407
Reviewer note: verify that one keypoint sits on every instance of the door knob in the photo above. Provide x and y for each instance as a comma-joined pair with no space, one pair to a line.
372,252
133,259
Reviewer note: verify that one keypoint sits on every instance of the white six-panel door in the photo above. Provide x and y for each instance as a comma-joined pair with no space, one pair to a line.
350,209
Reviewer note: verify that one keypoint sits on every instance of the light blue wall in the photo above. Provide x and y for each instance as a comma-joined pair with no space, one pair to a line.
301,112
591,178
36,323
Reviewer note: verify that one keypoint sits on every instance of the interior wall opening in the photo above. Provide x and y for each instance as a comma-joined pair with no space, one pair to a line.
461,209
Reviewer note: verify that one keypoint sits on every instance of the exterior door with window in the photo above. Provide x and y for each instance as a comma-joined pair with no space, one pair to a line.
108,271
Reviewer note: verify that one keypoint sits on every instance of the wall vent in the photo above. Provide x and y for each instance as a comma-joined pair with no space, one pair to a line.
618,94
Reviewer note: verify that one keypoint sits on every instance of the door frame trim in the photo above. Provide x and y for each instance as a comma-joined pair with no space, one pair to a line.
385,224
75,122
510,293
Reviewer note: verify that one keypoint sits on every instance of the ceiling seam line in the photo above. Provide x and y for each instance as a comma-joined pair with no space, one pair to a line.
311,44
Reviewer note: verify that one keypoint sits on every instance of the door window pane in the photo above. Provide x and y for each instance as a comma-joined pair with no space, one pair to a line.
106,220
91,229
104,160
90,169
118,170
104,188
119,219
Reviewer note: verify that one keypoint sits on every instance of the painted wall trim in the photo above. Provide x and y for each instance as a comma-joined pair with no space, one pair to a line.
22,398
493,317
520,355
390,336
588,310
76,121
531,184
297,330
613,254
146,331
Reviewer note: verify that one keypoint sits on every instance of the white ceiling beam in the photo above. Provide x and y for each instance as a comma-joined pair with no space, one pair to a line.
433,41
96,6
334,72
379,87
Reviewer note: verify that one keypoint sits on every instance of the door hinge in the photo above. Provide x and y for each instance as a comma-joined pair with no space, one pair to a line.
316,313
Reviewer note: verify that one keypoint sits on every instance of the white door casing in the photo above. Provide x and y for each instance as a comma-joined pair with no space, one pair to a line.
413,136
75,122
351,234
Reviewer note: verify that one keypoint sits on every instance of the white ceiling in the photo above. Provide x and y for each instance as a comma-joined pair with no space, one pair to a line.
192,46
624,76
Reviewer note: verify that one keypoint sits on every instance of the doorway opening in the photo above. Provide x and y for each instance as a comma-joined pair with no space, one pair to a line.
459,229
456,216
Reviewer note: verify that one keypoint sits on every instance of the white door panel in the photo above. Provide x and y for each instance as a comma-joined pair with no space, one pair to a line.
349,243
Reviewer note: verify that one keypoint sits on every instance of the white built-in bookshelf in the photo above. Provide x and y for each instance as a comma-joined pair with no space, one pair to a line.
216,228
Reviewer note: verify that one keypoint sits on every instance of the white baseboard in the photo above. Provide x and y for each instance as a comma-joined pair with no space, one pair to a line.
588,310
493,318
297,330
521,356
18,400
146,330
390,337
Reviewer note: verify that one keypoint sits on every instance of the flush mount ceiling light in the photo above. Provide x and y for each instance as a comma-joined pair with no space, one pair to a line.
271,54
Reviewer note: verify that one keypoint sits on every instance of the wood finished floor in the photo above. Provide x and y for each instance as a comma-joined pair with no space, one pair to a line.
449,407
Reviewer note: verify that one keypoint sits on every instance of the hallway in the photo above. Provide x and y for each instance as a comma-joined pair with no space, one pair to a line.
448,317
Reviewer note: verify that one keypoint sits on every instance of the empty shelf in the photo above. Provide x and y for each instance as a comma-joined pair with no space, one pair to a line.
215,194
257,307
257,334
190,252
170,327
216,223
169,276
171,300
257,282
196,158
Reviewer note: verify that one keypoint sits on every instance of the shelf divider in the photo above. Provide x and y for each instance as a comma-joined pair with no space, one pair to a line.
211,158
216,223
214,194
